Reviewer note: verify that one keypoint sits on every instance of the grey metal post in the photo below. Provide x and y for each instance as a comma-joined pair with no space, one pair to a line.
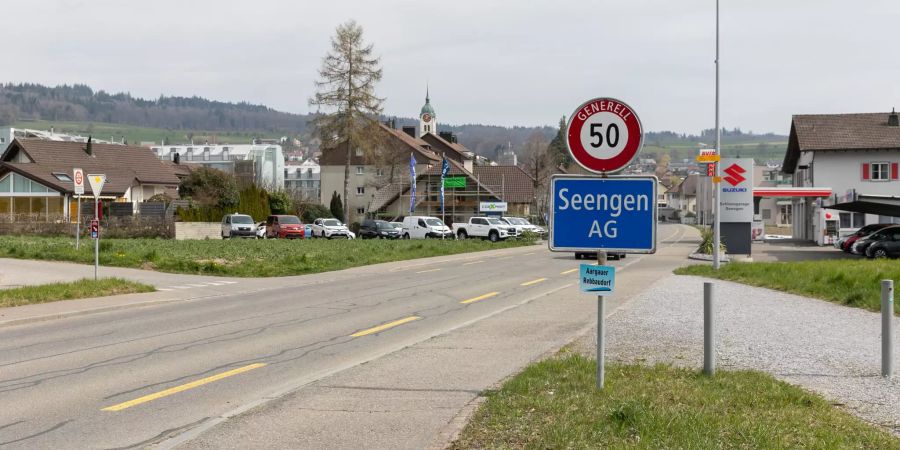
97,241
709,329
601,321
78,225
716,208
887,328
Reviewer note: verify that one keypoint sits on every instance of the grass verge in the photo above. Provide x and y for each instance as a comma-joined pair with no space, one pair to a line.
241,258
83,288
553,404
854,283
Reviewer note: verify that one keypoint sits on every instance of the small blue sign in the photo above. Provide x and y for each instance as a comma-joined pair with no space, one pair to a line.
616,214
595,279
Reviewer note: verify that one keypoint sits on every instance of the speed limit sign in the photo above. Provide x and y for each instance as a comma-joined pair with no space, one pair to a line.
604,135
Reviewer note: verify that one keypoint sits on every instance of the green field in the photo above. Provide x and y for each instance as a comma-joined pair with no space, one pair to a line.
241,258
136,135
849,282
84,288
553,404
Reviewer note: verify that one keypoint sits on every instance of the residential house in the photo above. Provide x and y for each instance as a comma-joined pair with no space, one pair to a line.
36,176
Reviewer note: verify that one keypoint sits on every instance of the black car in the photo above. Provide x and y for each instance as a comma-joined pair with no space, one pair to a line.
888,246
861,246
381,229
593,255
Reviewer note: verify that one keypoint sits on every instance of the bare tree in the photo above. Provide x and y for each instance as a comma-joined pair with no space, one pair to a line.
540,165
347,87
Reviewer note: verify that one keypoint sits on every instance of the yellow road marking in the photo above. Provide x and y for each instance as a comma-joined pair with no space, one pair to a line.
569,271
473,262
429,270
529,283
479,298
182,388
385,326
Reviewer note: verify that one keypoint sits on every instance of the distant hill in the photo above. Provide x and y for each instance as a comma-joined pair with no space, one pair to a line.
79,108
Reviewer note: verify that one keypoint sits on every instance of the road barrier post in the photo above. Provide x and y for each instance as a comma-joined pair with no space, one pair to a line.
887,328
601,319
709,338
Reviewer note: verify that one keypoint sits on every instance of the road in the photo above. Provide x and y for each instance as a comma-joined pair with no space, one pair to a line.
139,376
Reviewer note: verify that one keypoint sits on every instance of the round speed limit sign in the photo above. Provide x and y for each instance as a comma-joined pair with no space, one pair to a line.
604,135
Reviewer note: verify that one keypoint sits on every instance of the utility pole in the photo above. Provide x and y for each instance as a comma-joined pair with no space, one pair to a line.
717,192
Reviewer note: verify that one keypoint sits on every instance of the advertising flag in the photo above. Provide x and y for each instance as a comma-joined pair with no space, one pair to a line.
412,182
445,170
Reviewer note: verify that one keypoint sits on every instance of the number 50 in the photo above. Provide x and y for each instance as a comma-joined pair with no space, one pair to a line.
612,135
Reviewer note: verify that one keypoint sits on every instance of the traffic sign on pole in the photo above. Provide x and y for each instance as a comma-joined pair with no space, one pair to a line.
78,179
97,181
615,214
95,229
604,135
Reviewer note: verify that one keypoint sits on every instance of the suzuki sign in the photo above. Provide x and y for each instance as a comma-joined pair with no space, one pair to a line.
736,198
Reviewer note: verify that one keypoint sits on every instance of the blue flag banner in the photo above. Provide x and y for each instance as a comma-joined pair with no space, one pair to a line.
412,182
445,170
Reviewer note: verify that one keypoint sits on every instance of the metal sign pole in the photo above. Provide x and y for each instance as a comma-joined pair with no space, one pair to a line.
97,241
887,328
601,329
78,225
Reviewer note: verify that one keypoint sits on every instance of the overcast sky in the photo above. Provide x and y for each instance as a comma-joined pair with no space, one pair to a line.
493,62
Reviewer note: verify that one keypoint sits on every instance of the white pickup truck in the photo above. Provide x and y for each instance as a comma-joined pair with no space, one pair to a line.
484,227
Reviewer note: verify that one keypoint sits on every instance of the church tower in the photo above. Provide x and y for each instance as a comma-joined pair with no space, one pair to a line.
427,119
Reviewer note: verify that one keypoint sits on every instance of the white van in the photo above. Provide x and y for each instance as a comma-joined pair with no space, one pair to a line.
422,227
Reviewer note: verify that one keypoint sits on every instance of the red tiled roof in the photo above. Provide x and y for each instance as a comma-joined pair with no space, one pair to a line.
395,140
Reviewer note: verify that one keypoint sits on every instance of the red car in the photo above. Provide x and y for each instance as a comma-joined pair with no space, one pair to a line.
862,232
284,227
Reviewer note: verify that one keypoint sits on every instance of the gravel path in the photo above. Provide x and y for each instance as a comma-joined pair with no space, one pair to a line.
827,348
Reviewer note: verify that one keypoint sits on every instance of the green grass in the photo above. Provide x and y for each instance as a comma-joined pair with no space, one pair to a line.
137,134
849,282
83,288
240,258
553,404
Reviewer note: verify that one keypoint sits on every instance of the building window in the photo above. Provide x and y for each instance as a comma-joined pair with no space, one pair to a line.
360,170
360,190
880,171
379,172
766,214
852,220
359,151
360,210
62,176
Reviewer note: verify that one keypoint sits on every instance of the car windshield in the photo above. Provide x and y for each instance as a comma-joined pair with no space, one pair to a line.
495,222
384,226
518,221
397,224
241,219
332,223
292,220
434,222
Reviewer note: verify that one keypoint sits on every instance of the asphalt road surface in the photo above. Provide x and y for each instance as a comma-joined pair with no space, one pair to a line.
135,377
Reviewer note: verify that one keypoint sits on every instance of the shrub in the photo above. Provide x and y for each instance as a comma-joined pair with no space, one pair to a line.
706,244
280,202
210,187
337,206
160,198
309,212
254,201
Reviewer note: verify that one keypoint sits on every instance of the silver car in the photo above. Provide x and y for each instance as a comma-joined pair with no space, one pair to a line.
238,225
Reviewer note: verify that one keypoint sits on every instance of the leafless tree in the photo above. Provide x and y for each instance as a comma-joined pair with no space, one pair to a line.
538,164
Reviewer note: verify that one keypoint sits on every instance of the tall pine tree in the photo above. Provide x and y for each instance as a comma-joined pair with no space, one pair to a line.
558,150
346,87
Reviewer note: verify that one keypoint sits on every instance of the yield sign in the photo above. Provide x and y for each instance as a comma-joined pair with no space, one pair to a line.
97,181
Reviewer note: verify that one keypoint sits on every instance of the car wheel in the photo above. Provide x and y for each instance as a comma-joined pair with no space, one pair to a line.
405,235
463,235
493,236
880,253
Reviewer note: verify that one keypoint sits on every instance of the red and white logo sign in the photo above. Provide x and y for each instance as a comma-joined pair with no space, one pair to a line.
604,135
78,179
735,174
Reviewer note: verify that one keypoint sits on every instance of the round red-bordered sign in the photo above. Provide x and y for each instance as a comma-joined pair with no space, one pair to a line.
604,135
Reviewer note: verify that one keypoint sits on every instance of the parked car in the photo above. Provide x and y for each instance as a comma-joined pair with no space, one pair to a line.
398,226
848,242
422,227
886,247
238,225
522,225
279,226
377,229
490,228
330,228
261,230
862,244
593,255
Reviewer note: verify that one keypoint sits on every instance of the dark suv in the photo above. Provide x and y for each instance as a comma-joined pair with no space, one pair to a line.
381,229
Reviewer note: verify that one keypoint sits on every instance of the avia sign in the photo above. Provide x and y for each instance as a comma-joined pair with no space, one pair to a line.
736,199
